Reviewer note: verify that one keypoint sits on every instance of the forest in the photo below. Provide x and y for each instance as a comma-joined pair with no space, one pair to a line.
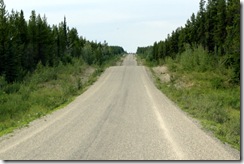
43,67
203,62
26,43
215,28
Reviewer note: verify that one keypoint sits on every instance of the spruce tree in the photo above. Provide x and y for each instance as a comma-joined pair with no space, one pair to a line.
220,27
32,49
3,36
201,24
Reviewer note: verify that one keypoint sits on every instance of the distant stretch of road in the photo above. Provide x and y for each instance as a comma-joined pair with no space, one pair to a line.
123,116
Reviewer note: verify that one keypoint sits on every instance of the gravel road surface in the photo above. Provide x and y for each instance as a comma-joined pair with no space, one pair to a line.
123,116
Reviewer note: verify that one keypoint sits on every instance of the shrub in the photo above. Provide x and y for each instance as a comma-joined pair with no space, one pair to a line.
196,59
11,88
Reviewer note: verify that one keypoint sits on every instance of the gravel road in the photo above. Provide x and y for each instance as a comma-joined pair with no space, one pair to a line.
123,116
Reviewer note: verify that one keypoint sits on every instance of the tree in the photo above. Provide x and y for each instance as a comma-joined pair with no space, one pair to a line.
155,51
3,36
161,50
24,45
63,43
32,48
210,24
232,42
220,27
88,54
74,47
181,40
22,40
14,49
216,28
44,40
201,18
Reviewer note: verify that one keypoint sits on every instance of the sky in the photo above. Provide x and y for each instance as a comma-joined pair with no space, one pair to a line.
126,23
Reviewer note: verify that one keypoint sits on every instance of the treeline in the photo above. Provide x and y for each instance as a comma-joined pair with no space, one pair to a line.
216,28
25,44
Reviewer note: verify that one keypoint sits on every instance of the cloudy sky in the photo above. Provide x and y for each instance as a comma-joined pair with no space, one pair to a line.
127,23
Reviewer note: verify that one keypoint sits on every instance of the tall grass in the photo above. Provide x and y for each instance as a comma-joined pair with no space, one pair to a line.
202,87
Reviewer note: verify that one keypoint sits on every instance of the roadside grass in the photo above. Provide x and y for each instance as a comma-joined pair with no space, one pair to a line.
46,90
217,109
205,92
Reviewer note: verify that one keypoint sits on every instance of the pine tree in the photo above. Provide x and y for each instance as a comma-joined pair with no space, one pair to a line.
65,32
211,24
88,54
181,40
201,24
13,49
23,40
32,48
220,27
56,38
63,43
232,42
155,51
73,43
44,40
161,50
3,36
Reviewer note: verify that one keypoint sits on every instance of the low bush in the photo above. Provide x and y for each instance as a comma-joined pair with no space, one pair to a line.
213,98
43,92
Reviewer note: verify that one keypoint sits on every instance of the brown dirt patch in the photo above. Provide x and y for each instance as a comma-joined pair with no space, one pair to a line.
162,73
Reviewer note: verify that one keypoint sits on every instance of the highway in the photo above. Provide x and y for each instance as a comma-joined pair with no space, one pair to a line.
122,116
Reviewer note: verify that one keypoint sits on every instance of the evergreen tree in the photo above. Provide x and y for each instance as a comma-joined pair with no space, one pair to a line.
161,50
3,36
216,27
155,51
63,39
14,50
211,24
24,45
232,42
44,42
23,40
74,43
181,40
32,49
220,28
201,35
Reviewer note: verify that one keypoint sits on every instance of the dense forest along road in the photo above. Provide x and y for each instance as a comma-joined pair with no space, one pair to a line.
121,117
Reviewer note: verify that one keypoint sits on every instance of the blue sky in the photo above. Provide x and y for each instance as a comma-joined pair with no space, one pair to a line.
127,23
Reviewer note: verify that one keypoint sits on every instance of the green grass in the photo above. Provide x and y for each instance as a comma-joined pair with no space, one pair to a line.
206,92
46,90
217,109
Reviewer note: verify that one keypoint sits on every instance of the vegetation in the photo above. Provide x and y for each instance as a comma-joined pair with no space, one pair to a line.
35,42
43,66
204,62
216,28
44,90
